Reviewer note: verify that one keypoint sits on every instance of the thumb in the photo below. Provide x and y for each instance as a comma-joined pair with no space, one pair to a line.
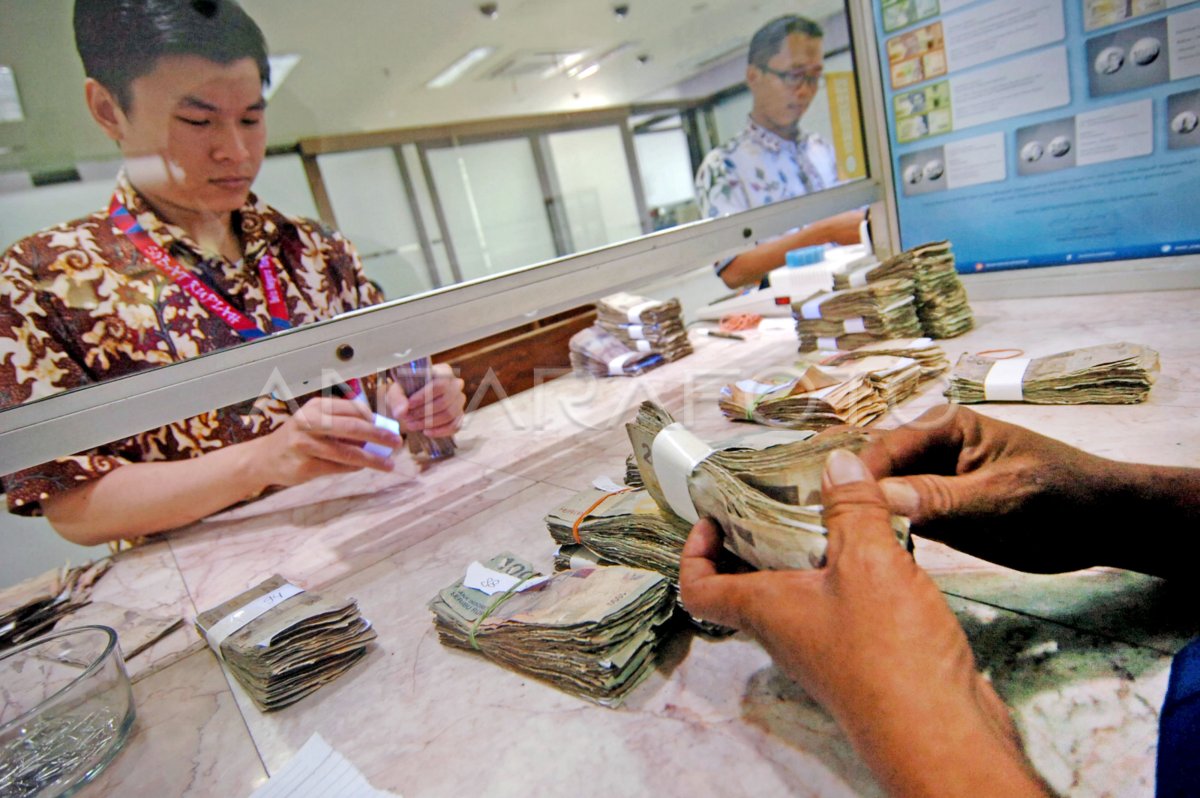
397,402
854,504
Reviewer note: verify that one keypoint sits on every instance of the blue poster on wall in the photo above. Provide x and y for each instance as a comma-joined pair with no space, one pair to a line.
1044,132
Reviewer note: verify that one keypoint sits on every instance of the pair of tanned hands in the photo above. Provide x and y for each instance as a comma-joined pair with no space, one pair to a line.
870,636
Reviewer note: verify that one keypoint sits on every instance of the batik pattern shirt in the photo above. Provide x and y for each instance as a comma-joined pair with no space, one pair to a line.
758,167
79,304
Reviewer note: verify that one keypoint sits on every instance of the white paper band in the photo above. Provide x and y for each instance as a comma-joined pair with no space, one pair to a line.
644,346
485,580
855,325
616,366
635,331
1003,381
635,312
858,279
812,308
675,454
223,628
827,343
389,424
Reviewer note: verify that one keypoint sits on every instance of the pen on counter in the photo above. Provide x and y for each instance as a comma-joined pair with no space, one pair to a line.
723,334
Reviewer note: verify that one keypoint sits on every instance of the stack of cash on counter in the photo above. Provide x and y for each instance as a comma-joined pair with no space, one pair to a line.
645,325
852,317
282,643
590,631
847,388
1107,374
941,301
595,351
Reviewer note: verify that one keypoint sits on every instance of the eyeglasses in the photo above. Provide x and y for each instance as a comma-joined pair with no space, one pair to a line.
794,78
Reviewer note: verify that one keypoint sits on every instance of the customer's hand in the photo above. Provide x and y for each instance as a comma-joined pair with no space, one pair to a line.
436,409
871,638
325,436
999,491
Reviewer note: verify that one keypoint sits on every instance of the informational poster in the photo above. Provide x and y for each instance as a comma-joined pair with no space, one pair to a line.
1044,132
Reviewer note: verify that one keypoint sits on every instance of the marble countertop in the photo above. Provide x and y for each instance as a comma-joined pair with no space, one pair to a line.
1082,658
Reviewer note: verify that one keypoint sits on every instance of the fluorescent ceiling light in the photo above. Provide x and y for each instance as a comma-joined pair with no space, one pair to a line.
459,67
579,71
281,67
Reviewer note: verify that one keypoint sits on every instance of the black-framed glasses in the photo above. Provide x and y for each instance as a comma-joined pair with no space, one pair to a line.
794,78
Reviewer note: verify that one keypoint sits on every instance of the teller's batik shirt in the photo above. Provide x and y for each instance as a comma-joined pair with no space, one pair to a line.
79,304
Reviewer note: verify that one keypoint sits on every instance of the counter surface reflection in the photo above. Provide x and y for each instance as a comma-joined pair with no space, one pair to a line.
1083,658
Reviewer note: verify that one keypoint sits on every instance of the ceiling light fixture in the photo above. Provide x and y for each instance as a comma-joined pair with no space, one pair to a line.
581,70
459,67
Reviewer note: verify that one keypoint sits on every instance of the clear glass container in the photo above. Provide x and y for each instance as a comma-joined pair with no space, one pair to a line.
412,377
66,709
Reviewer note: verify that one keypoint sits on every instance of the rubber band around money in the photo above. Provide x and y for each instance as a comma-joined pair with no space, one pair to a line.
1003,382
219,631
503,597
1001,354
579,521
675,453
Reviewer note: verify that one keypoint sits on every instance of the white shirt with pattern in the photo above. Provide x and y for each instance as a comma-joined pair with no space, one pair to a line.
758,167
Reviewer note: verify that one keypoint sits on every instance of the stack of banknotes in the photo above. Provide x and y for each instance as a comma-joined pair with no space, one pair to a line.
941,300
765,532
626,527
590,631
631,528
849,318
595,351
301,641
1119,373
645,325
931,358
32,607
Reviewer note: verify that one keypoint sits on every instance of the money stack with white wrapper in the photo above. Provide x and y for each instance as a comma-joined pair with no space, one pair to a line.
595,351
941,299
847,319
589,631
1107,374
680,472
611,524
281,642
645,325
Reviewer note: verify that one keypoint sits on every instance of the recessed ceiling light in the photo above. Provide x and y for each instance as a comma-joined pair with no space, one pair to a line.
459,67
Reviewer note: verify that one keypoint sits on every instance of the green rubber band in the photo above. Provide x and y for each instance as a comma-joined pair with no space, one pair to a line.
505,596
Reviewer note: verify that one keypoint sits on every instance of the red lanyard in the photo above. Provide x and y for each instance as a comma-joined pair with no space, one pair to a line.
213,302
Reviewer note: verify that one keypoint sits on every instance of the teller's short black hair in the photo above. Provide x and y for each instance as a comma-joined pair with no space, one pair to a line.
119,41
768,40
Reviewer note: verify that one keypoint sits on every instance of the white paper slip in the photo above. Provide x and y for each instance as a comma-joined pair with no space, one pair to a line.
317,771
1004,380
480,577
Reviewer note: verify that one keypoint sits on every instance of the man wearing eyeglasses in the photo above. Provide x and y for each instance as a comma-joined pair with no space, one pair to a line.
772,159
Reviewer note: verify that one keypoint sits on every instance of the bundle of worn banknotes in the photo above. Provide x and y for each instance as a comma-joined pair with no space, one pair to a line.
592,628
596,351
1119,373
34,606
829,389
282,643
917,292
590,631
855,316
631,334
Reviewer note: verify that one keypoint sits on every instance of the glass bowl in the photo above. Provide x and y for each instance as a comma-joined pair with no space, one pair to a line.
66,709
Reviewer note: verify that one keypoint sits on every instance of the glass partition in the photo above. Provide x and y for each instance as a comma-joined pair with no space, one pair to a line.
372,139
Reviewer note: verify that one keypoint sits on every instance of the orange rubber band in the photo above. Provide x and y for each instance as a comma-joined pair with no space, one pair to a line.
999,354
588,511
